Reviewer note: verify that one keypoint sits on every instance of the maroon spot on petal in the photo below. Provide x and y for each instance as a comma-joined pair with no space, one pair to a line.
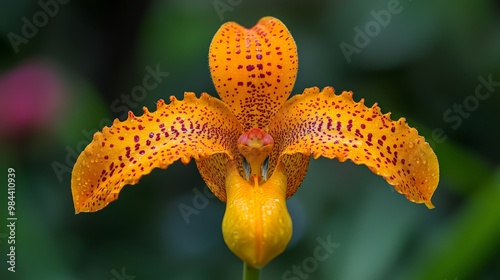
370,137
349,125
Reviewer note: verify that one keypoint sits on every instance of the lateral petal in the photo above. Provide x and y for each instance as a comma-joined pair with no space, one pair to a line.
334,126
254,69
121,154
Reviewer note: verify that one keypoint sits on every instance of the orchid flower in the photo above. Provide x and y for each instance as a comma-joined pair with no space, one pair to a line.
253,145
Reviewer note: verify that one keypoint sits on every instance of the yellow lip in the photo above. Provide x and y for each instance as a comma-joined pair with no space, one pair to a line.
256,226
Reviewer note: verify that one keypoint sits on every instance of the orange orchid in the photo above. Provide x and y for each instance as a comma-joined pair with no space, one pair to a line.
253,147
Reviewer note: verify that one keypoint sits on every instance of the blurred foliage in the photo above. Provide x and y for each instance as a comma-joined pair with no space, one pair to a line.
425,62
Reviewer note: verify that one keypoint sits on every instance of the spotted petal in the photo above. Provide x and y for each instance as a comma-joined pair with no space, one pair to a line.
254,69
121,154
334,126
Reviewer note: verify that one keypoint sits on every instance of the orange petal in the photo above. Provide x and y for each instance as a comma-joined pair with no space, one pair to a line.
295,165
334,126
213,172
123,153
253,69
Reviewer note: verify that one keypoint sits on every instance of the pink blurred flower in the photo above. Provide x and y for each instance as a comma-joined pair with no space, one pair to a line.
30,95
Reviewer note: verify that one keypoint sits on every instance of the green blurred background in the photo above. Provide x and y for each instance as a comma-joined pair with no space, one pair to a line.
65,79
